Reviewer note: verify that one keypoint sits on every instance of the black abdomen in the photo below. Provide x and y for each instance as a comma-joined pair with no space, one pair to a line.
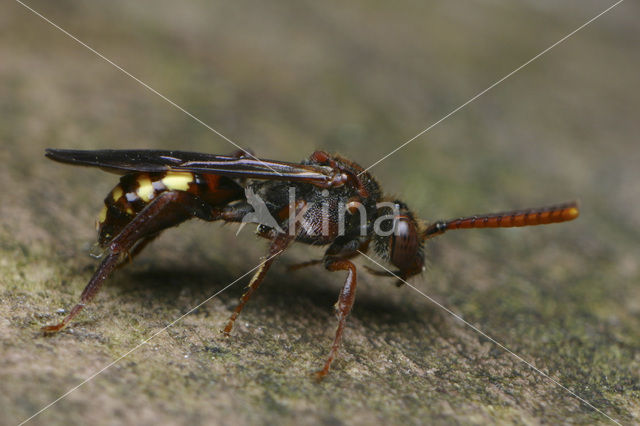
135,191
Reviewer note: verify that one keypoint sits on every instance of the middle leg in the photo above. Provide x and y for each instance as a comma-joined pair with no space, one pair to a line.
279,243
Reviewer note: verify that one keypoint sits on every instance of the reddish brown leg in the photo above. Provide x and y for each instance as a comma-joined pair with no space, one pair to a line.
168,209
339,250
104,270
278,245
136,249
343,307
301,265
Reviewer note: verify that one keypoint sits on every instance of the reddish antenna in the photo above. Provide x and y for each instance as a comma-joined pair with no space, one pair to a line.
528,217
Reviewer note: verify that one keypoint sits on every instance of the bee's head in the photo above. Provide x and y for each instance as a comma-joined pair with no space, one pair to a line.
398,239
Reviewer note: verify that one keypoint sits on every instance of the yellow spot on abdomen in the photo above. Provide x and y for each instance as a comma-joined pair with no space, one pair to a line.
145,189
177,181
101,217
116,193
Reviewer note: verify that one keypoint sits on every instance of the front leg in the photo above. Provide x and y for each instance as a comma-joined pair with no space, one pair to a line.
343,306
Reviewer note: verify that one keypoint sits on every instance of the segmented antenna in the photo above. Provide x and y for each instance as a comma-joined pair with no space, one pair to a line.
529,217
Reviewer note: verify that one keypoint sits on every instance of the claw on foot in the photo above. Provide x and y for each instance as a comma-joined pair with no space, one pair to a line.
320,374
51,329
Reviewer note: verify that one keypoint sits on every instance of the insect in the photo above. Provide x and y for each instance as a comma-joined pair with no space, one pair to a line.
326,200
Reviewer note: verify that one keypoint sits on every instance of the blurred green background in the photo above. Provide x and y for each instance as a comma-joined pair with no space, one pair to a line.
359,78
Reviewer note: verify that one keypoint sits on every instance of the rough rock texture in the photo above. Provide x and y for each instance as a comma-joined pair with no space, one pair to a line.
357,78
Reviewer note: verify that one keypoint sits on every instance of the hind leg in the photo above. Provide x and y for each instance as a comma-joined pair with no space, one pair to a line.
167,210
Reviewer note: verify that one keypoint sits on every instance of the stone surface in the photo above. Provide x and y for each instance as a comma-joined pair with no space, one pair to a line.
359,79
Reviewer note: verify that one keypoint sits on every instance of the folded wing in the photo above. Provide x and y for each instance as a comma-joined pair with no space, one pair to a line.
124,161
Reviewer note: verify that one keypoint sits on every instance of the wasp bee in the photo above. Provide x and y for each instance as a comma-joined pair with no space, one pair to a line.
326,200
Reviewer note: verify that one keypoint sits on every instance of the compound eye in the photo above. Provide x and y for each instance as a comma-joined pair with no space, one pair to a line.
405,246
